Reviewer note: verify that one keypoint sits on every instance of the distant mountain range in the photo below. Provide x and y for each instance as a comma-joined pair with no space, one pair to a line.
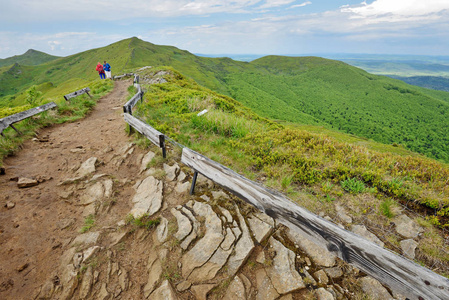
431,72
301,90
29,58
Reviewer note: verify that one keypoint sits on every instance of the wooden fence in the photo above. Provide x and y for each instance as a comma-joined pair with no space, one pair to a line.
128,107
122,76
77,93
149,132
10,120
398,273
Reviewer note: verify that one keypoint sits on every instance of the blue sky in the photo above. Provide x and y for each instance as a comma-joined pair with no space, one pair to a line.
284,27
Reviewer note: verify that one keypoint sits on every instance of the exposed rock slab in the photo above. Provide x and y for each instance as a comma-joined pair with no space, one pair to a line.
342,214
148,197
184,224
200,291
171,171
87,167
334,273
323,294
24,182
195,226
182,188
261,226
69,281
103,293
362,231
108,185
86,284
216,262
408,247
265,289
164,292
90,252
162,230
154,268
374,289
92,194
87,239
321,277
236,290
283,275
146,160
206,247
407,227
318,254
242,249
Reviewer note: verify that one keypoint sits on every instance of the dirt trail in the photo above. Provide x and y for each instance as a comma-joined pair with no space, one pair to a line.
31,239
209,245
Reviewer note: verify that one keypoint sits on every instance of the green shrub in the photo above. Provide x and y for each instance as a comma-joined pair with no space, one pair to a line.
353,186
89,222
385,208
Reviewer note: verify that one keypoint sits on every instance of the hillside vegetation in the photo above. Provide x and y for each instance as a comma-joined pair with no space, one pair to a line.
303,90
347,99
314,170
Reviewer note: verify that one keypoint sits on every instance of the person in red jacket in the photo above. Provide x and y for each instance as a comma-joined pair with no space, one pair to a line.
100,70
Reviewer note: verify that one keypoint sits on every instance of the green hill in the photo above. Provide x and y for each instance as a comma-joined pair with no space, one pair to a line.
29,58
348,99
302,90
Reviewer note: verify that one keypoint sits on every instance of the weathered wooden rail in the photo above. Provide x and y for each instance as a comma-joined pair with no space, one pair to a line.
396,272
146,130
122,76
77,93
10,120
128,107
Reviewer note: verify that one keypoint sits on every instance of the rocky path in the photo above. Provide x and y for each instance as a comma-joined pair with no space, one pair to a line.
74,235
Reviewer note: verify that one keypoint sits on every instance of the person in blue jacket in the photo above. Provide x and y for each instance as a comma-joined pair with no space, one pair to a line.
107,70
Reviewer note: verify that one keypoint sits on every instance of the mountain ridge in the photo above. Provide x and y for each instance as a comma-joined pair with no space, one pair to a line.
304,90
30,58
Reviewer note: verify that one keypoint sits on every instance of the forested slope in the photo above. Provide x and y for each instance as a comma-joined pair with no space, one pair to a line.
347,99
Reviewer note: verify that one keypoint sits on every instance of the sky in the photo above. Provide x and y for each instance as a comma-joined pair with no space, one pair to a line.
283,27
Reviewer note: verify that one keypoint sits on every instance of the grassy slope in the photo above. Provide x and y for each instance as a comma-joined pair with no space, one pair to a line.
304,90
313,169
79,67
350,100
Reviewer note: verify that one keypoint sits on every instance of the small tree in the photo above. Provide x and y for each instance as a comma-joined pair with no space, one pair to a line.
33,96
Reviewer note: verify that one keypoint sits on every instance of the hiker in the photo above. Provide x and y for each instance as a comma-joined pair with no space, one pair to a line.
100,70
107,69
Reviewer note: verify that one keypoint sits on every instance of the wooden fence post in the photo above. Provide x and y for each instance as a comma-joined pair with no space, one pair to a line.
192,187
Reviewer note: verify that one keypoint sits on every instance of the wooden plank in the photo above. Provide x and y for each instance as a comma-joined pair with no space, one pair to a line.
77,93
124,75
132,102
3,126
9,120
398,273
149,132
26,114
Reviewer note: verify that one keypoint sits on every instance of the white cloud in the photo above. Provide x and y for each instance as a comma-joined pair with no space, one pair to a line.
60,43
45,10
397,8
53,44
301,5
275,3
